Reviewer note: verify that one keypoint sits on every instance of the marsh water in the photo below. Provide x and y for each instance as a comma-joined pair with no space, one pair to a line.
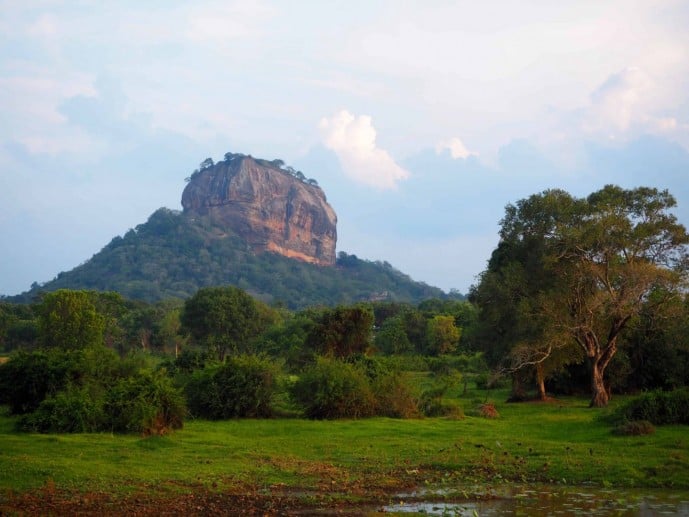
542,500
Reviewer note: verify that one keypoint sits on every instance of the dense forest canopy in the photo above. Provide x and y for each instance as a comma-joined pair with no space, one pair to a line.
172,256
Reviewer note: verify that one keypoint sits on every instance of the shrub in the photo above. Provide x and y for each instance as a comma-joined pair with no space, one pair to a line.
332,388
146,403
657,407
394,396
74,410
243,386
432,404
443,365
488,410
190,360
635,428
29,377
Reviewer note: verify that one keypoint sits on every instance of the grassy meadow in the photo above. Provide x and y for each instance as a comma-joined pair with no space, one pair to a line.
560,442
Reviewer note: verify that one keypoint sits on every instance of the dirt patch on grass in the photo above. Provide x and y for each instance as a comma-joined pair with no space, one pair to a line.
197,502
332,490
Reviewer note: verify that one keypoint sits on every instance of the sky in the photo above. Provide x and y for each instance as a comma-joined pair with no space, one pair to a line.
420,120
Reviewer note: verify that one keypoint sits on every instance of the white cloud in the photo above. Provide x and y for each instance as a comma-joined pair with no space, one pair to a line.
353,139
620,102
455,146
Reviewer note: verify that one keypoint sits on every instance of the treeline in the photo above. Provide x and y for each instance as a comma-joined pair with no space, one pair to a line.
86,361
581,295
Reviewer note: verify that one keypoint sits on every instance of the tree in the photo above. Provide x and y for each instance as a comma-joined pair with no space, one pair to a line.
342,331
582,269
442,334
391,337
206,164
221,319
69,320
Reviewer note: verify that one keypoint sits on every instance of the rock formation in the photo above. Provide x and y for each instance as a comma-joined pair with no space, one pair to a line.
267,206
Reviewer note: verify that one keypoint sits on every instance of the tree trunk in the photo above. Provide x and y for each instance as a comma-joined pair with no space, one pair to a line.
540,382
517,394
600,396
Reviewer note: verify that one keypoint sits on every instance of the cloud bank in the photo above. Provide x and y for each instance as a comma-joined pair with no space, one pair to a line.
353,139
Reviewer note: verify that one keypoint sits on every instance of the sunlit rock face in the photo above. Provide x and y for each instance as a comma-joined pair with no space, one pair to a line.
267,206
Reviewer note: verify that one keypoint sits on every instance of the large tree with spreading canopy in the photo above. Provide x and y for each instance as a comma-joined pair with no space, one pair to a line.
580,270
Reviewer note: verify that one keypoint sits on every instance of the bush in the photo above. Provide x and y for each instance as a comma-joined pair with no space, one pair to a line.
657,407
190,360
243,386
635,428
394,396
488,410
74,410
29,377
147,403
332,388
432,404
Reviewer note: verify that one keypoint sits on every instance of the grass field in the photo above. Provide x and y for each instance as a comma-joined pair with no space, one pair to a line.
559,442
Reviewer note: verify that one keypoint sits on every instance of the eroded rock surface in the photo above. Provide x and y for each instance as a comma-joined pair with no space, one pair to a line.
269,207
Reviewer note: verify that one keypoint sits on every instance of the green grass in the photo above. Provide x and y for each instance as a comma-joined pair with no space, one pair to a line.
560,442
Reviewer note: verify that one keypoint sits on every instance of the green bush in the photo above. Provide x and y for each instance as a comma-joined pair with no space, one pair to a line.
29,377
243,386
395,397
146,403
332,388
74,410
657,407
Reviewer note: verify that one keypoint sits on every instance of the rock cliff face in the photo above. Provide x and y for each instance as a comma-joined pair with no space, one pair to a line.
270,208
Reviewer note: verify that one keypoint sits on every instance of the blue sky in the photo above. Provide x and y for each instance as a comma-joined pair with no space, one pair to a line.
421,120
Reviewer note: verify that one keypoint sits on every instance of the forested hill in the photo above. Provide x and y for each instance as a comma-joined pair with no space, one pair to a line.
173,255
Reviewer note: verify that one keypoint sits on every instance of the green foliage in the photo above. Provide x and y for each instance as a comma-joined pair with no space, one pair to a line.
222,319
342,331
571,274
332,388
73,410
173,255
69,320
29,377
18,326
88,390
442,335
244,386
657,345
658,407
146,403
188,361
395,396
391,338
432,403
286,339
